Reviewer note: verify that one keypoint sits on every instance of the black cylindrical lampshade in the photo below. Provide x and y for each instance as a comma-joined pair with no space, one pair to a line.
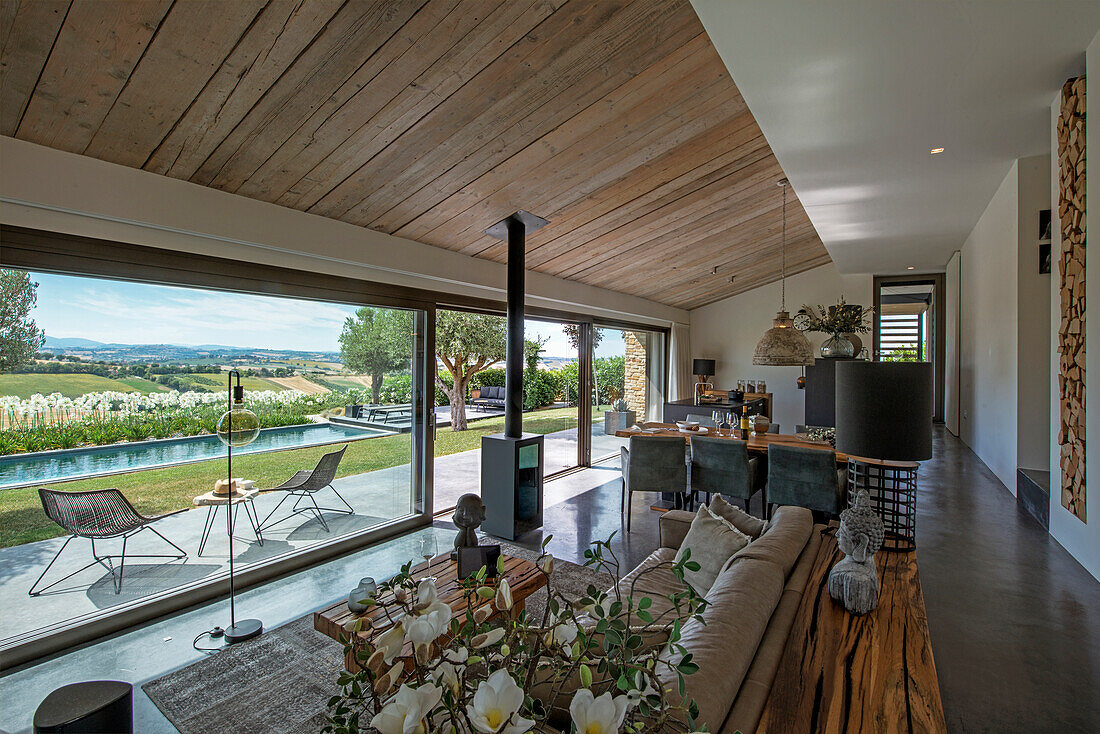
884,410
702,367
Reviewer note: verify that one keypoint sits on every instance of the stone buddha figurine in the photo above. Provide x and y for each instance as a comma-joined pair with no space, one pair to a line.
854,581
469,514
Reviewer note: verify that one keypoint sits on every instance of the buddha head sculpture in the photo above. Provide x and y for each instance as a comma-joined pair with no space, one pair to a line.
861,532
469,514
854,581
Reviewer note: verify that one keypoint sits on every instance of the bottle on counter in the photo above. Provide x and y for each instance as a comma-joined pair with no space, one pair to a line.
746,425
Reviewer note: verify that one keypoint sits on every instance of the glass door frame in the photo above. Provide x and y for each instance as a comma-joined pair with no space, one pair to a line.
589,354
939,325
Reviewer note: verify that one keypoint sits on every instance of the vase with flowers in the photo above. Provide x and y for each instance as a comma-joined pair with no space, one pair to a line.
604,662
842,322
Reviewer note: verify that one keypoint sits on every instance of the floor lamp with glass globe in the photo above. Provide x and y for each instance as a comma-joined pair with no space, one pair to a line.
237,428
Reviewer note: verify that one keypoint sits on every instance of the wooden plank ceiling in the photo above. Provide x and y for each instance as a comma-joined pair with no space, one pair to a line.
430,119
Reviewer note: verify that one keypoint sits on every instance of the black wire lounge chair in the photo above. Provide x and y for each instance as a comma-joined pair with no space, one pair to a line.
99,514
304,485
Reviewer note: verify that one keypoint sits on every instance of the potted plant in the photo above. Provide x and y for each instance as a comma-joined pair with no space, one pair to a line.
620,417
599,663
353,403
841,322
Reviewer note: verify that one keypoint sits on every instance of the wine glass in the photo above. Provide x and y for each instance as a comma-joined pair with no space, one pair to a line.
429,548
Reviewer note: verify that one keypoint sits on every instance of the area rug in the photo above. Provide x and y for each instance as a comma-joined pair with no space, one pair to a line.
280,682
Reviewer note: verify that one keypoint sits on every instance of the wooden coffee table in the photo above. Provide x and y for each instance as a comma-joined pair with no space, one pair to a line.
523,577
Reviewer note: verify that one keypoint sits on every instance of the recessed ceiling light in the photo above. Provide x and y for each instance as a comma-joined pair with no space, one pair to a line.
910,267
935,150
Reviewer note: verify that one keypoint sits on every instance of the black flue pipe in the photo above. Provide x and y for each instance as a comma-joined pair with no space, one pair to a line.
513,376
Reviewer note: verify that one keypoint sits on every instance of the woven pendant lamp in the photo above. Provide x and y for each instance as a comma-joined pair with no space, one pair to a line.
783,345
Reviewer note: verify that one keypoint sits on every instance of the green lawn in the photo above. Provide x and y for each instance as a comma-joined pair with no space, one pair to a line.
345,382
213,383
140,384
71,386
156,491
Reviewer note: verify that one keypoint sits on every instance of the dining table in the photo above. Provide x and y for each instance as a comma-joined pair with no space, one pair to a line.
758,443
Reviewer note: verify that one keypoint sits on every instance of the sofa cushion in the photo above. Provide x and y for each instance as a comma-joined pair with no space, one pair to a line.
673,526
743,521
740,604
783,540
649,579
712,541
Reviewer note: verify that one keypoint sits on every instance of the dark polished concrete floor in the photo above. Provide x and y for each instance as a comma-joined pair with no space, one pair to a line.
1014,619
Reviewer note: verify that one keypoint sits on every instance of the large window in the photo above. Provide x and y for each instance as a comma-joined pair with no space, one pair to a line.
113,398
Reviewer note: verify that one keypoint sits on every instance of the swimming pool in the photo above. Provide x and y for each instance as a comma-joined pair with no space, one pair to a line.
20,470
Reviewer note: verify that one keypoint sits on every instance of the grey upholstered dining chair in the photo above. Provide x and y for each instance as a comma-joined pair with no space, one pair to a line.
652,464
703,420
98,514
806,477
723,466
304,485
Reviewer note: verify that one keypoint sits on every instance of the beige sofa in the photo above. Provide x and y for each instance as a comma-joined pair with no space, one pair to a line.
751,608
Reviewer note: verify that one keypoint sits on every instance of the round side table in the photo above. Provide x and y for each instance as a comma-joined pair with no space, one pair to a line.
245,495
892,487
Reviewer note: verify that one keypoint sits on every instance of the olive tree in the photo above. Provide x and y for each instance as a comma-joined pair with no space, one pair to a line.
20,337
466,343
377,341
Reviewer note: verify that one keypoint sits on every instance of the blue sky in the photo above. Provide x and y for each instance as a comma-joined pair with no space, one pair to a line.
138,313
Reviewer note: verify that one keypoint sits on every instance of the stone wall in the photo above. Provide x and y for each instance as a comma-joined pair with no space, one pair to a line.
634,391
1071,271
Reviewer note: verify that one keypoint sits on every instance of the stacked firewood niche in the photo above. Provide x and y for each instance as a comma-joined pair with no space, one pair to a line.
1071,270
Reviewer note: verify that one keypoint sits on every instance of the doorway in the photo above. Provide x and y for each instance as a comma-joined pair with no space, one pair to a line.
909,325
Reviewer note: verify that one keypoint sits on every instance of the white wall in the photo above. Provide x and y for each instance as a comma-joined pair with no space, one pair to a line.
988,338
951,341
1081,539
727,331
64,192
1033,335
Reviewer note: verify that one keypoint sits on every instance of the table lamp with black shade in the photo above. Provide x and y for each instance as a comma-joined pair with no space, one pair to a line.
702,369
884,424
237,428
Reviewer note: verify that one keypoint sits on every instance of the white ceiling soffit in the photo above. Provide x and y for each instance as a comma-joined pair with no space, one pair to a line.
852,95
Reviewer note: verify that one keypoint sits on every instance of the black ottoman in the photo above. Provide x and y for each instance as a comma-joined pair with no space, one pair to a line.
92,707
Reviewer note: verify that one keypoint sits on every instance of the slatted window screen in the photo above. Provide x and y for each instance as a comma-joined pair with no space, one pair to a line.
898,331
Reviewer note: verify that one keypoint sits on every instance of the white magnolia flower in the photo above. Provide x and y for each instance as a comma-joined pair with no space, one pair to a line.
503,600
407,712
391,641
592,715
457,656
561,633
546,564
426,594
448,675
495,706
489,638
427,625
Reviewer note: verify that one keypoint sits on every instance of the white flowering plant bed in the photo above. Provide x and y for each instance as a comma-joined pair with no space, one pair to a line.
44,422
589,666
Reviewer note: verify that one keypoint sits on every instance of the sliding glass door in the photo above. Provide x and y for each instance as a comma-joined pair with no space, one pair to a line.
627,384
